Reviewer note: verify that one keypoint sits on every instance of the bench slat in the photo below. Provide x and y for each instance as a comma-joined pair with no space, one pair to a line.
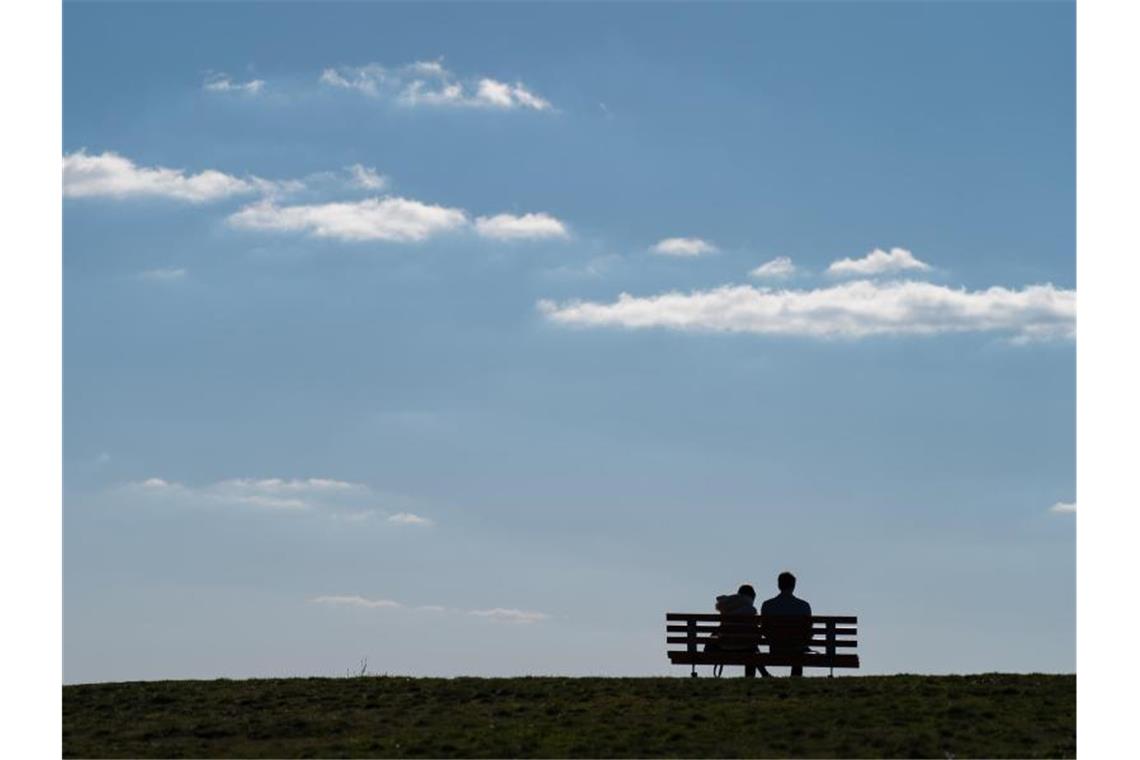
741,640
845,631
747,658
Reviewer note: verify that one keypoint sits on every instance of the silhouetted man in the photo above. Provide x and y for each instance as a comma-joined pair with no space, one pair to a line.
787,637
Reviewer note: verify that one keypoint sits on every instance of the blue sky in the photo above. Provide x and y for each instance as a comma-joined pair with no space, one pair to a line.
348,371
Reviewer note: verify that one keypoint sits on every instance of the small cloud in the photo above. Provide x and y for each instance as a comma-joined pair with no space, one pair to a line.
365,177
162,275
1064,507
390,219
356,601
273,188
222,83
407,518
777,268
336,498
502,95
498,614
510,616
683,247
429,83
526,227
109,175
878,262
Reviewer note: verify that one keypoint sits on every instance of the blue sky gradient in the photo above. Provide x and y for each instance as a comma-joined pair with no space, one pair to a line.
340,423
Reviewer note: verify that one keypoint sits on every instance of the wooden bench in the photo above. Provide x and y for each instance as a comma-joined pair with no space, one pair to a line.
741,640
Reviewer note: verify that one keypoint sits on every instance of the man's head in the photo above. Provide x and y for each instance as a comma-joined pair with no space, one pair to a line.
787,582
747,590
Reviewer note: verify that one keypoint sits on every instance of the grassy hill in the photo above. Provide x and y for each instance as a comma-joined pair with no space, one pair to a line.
989,715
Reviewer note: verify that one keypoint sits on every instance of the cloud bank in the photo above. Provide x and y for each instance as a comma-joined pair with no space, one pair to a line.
851,310
429,83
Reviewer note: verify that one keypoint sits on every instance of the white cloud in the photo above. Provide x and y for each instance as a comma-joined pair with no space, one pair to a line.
1064,507
275,188
264,493
525,227
109,174
277,493
407,518
429,83
878,262
296,485
777,268
366,177
851,310
510,616
389,218
222,83
498,614
683,247
163,275
497,94
428,69
340,500
356,601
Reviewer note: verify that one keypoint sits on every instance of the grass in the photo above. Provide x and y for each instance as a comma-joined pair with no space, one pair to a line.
990,715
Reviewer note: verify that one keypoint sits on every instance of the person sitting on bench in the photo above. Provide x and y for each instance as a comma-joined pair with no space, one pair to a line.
743,602
791,637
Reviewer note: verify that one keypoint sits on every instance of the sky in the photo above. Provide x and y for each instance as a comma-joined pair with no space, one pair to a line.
472,339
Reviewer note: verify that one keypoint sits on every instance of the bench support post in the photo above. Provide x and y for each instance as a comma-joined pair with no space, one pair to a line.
691,645
831,648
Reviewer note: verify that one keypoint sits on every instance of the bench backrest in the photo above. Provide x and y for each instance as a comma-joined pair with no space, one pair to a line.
779,633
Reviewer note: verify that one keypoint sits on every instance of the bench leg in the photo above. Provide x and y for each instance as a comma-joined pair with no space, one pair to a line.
749,671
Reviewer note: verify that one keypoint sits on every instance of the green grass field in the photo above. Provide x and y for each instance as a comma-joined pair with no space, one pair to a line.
897,716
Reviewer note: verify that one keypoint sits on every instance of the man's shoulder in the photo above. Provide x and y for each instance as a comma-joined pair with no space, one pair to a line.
785,606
